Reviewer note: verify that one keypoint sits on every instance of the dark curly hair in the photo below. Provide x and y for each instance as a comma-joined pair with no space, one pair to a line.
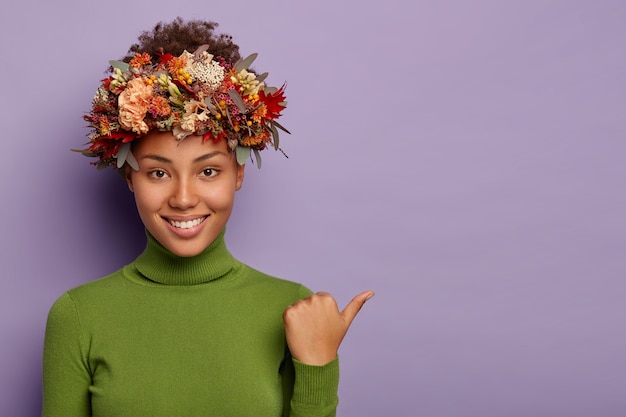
179,35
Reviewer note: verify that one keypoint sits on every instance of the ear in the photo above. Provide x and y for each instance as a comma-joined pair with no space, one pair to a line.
240,174
128,176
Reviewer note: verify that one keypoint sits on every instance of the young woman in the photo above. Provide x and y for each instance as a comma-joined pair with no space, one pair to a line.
187,330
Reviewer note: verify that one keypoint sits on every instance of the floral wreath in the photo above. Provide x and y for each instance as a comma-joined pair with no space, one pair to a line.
190,94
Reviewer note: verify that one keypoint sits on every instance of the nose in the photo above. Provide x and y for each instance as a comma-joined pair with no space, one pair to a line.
183,195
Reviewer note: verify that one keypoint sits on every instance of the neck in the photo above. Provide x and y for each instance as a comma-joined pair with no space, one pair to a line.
158,264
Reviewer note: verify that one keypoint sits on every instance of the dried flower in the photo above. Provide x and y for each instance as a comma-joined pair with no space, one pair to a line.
190,94
134,103
139,60
247,82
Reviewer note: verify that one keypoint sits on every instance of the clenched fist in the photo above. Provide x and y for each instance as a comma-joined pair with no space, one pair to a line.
315,327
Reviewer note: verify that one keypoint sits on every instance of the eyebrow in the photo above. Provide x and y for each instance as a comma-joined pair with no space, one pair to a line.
196,160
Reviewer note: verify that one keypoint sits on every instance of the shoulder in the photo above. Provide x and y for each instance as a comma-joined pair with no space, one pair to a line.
90,292
274,285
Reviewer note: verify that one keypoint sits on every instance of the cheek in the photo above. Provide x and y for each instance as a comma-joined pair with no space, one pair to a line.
145,199
221,198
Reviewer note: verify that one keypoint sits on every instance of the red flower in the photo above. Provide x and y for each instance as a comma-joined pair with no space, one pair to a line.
165,58
107,146
273,102
122,136
185,87
208,135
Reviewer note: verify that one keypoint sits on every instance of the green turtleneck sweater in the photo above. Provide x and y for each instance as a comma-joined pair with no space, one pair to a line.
180,337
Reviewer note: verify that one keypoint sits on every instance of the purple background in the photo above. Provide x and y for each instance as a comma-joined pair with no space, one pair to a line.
465,159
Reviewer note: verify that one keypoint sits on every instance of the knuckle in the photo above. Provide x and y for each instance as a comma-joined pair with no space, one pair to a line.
288,313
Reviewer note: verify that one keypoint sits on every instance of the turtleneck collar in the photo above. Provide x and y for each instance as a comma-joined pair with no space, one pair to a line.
158,264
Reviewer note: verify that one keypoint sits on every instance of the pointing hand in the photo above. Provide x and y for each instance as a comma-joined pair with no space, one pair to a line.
315,327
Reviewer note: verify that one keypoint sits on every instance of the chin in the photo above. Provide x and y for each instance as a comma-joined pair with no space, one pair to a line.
188,249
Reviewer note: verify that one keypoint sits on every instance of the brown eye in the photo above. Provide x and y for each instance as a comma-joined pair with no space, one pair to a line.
209,172
158,173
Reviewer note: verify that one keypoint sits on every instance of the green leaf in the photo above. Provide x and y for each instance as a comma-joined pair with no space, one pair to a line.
130,159
121,154
246,62
243,153
274,135
210,105
270,90
278,125
85,152
122,66
125,155
229,119
257,155
238,101
262,77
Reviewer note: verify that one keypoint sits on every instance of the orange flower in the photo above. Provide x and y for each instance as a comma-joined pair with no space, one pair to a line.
105,126
139,60
174,64
264,136
159,107
133,104
259,113
185,95
227,83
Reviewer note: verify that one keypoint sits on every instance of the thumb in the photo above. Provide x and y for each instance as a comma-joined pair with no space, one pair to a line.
354,306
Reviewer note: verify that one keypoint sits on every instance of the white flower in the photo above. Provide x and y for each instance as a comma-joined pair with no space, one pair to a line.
195,111
204,69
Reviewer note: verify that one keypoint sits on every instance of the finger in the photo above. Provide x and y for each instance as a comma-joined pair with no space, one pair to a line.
322,293
354,306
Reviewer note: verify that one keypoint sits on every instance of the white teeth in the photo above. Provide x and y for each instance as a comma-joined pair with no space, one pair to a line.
188,224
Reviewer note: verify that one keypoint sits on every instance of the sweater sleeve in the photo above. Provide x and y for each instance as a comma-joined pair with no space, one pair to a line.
66,376
313,390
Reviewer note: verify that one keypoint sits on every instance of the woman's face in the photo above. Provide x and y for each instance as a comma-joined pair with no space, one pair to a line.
184,191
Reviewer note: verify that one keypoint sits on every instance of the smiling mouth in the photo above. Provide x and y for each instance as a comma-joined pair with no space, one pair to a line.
187,224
